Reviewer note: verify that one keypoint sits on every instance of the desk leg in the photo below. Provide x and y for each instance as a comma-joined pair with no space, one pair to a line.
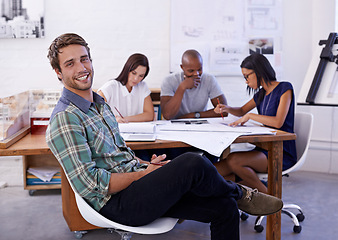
275,165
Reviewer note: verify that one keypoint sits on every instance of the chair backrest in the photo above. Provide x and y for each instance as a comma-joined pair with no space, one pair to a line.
160,225
303,129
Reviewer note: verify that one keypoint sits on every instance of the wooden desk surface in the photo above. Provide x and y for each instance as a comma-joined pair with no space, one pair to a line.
36,144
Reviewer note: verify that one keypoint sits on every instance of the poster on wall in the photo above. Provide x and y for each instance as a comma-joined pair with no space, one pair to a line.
225,32
22,19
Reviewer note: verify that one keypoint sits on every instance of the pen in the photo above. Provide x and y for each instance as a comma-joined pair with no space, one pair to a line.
221,112
119,112
159,163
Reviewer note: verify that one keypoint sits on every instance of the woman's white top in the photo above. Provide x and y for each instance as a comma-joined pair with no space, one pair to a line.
128,103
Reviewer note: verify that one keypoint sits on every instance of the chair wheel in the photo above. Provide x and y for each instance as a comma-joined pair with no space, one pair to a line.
259,228
300,217
78,234
244,216
297,229
31,192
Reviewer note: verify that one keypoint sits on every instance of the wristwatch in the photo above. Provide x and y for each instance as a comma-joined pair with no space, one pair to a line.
197,115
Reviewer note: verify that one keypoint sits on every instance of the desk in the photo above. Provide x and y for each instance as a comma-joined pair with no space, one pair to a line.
36,153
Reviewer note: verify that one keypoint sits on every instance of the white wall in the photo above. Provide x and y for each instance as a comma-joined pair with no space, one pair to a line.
305,23
323,152
115,29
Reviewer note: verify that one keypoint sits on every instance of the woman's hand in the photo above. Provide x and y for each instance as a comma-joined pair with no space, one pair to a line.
241,121
220,108
121,120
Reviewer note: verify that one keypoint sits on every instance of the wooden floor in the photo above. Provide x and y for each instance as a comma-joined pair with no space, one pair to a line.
40,216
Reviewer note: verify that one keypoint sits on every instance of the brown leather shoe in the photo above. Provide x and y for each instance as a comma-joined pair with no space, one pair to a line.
258,204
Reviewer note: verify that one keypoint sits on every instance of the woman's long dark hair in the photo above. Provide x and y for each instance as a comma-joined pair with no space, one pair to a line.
132,63
263,70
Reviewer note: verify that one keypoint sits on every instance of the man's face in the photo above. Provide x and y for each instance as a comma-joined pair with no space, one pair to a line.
192,68
76,68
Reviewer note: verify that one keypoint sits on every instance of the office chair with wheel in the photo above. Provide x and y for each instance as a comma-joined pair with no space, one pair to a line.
303,130
160,225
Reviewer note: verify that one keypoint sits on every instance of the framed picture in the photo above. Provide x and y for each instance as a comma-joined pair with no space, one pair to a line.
22,19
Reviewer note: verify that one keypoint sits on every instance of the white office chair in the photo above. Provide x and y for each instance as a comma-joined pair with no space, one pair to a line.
160,225
303,130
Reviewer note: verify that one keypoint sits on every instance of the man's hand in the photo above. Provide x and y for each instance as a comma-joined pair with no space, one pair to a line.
159,159
157,162
191,81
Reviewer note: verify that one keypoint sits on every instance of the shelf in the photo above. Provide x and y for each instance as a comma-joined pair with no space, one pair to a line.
38,161
42,187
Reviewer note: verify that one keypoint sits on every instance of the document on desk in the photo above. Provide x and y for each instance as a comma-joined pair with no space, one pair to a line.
138,131
213,137
212,142
217,126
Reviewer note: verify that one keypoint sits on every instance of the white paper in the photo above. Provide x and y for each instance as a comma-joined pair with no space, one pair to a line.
212,142
44,173
218,125
214,137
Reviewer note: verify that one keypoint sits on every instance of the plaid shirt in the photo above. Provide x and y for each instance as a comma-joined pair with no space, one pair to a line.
85,139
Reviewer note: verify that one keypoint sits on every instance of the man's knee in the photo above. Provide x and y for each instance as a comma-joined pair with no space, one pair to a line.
194,163
192,160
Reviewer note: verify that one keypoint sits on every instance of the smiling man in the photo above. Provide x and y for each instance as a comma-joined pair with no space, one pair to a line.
84,137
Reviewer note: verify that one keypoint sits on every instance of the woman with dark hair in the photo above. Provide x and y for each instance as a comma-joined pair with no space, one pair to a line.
128,95
275,104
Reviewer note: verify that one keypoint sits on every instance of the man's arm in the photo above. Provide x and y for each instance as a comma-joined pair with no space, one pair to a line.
69,145
120,181
170,105
66,139
209,113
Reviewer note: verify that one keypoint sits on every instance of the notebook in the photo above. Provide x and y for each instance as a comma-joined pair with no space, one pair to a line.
137,131
136,137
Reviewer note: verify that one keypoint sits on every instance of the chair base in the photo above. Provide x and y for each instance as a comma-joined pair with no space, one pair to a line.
79,234
124,235
295,218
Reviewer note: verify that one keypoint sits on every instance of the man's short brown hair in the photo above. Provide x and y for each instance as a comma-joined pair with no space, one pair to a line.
63,41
